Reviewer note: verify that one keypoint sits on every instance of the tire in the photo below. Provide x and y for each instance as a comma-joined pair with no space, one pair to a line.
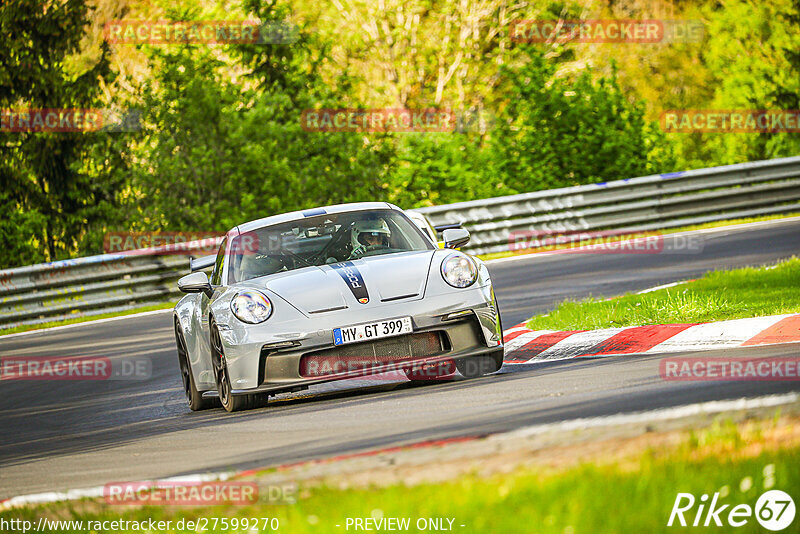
193,396
432,372
231,403
476,366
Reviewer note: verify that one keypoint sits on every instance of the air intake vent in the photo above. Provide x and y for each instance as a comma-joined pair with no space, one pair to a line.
367,355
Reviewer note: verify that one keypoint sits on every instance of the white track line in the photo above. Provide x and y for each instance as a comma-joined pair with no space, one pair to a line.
663,286
664,414
86,323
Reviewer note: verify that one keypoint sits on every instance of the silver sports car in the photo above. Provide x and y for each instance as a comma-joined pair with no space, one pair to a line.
328,294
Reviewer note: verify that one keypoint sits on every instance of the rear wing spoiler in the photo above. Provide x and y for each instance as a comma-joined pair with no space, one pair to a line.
204,262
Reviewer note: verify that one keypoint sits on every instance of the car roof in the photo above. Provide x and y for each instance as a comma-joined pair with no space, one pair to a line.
301,214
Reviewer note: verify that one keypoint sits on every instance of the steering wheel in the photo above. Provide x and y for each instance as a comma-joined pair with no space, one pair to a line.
368,250
334,246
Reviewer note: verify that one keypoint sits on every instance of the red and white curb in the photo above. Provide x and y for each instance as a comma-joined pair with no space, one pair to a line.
529,346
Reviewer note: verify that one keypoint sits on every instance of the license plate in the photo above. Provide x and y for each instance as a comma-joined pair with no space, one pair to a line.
376,330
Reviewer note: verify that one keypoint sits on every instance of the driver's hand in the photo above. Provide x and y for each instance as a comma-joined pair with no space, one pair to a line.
358,252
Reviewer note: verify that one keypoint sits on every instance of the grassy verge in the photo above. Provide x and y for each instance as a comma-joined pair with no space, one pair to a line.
718,295
85,318
715,224
633,493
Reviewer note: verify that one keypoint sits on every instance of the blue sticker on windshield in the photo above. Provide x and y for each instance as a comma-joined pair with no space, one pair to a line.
314,212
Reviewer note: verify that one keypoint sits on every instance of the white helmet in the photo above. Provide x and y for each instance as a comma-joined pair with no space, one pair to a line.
363,230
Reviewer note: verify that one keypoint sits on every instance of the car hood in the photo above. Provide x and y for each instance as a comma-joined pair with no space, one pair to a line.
365,282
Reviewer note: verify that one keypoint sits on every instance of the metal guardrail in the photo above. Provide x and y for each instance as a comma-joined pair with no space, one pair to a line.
636,204
87,286
111,283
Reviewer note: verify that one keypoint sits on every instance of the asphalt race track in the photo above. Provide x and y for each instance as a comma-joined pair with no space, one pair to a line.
62,435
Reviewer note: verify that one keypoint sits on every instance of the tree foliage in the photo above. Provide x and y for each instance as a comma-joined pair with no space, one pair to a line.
216,152
221,139
561,132
51,190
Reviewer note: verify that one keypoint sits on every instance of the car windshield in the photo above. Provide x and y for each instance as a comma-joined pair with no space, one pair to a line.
321,240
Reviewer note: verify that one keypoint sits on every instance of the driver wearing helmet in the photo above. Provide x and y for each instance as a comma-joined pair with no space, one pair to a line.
366,236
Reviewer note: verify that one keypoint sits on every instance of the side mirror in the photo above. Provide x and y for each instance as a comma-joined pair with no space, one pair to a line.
455,237
196,283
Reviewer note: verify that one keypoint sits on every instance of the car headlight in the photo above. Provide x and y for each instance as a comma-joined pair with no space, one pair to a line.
459,270
251,306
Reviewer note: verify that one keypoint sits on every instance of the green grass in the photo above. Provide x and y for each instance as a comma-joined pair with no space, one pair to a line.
715,224
84,319
634,493
718,295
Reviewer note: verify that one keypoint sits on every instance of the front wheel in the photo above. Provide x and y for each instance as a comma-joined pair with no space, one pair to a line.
231,403
475,366
427,372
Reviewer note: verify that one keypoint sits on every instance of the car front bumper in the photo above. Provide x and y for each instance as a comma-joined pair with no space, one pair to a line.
260,359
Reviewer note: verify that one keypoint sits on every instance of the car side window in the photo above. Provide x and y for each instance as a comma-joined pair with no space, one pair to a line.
216,276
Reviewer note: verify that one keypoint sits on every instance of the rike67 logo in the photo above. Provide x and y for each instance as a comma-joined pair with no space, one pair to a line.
774,510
